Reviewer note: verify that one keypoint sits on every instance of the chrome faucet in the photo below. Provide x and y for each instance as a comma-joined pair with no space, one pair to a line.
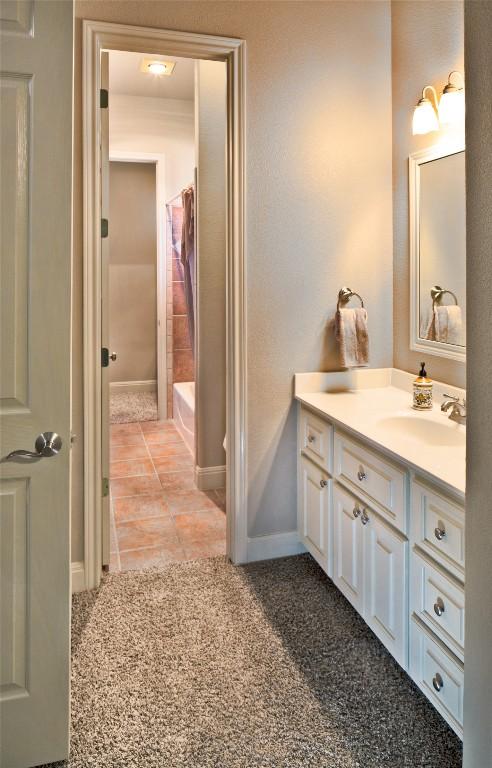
458,409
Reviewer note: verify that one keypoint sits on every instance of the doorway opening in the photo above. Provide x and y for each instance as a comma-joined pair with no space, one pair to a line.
184,491
165,309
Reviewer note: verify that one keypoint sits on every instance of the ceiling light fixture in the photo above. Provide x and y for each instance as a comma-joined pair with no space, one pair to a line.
157,67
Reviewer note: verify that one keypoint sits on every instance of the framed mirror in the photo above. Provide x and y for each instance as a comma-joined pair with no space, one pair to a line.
438,251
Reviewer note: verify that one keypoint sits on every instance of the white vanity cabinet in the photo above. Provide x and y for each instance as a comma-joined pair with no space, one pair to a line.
394,546
370,569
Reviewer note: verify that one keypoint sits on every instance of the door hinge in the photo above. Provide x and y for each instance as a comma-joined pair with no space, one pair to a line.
104,227
104,357
105,487
104,98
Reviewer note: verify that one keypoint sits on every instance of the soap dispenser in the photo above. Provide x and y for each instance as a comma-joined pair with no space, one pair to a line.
422,391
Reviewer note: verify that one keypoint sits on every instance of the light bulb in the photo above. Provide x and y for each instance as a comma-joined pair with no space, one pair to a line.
452,106
424,118
157,67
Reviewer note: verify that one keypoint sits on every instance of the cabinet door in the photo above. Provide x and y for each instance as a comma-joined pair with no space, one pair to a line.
348,533
314,512
386,590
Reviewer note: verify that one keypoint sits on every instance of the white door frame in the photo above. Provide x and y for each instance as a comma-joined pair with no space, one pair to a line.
98,36
159,160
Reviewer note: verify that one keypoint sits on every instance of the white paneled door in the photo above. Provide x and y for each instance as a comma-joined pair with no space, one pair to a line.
36,40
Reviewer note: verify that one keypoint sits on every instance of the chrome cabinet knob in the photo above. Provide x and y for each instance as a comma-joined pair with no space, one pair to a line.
323,483
47,444
440,532
364,518
437,682
113,356
356,512
361,474
311,439
439,606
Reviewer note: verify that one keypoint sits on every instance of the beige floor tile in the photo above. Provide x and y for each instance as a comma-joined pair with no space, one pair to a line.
131,468
180,502
178,481
152,556
148,532
134,486
125,452
136,507
158,450
173,463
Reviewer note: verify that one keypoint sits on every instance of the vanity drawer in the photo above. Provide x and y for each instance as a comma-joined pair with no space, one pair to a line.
439,602
438,528
315,439
438,674
374,478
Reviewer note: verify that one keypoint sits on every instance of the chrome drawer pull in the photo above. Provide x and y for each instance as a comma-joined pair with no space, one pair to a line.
439,606
361,474
356,512
311,439
364,518
323,483
437,682
440,532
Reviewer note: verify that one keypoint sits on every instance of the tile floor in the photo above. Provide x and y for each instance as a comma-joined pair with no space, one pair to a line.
157,513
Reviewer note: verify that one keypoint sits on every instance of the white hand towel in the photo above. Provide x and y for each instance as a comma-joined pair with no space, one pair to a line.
448,324
352,337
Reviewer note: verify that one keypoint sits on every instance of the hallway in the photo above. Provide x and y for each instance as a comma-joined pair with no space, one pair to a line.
203,664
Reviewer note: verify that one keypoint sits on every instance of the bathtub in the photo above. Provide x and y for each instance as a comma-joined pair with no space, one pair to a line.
184,411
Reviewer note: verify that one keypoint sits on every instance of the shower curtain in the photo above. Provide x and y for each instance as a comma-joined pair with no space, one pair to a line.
188,258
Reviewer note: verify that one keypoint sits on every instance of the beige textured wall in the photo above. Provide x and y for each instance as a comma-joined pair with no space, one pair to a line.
427,43
210,133
478,659
132,271
319,206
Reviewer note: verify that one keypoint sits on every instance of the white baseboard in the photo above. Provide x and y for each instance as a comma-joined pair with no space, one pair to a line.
78,577
133,386
210,478
274,545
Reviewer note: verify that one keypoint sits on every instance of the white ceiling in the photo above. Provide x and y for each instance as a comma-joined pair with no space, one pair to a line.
125,77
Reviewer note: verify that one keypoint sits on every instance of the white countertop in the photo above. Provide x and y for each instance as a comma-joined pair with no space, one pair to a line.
376,405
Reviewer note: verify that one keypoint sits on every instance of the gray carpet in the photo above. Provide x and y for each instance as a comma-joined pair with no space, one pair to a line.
201,664
128,407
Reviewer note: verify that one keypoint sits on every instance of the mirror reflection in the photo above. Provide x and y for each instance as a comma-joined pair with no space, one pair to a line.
442,250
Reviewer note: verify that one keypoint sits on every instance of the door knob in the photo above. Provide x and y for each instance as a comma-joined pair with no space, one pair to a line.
47,444
113,356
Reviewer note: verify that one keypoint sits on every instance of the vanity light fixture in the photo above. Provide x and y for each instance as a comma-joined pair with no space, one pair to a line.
452,101
425,113
157,67
429,116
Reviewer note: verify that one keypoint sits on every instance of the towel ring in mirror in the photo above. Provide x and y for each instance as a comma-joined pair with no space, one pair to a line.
345,294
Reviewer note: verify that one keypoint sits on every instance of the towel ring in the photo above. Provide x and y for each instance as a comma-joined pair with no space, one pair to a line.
437,293
345,294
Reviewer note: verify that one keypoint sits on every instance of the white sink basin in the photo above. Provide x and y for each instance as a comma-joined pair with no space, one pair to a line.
426,430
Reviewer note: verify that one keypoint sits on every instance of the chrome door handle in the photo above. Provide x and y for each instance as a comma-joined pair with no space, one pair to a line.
47,444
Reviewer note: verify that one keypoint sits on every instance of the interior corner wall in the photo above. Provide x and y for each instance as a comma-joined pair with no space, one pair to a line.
318,204
427,44
478,588
210,369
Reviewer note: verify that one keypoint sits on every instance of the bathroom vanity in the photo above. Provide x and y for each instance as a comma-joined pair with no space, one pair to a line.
381,492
